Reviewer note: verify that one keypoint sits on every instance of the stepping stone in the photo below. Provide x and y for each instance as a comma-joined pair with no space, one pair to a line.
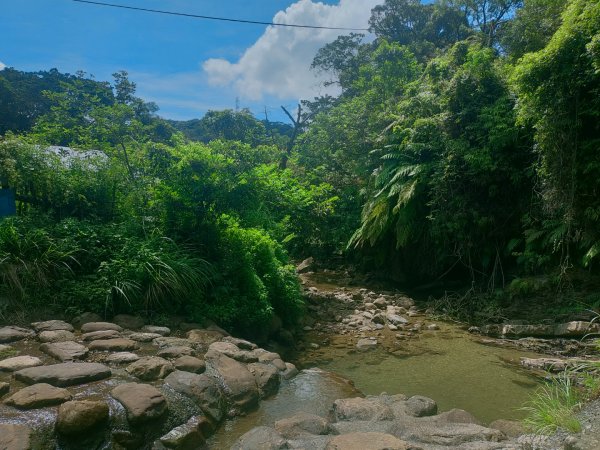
144,337
99,326
175,352
99,335
190,364
65,351
189,435
141,401
203,389
77,417
19,362
12,334
370,440
65,374
38,396
15,437
163,342
204,337
52,325
240,385
114,345
163,331
56,336
150,368
121,358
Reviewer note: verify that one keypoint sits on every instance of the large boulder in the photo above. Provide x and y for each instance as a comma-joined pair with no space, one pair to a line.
78,417
203,389
65,374
65,351
150,368
38,396
142,402
18,363
267,378
12,334
15,437
239,384
189,436
576,329
363,441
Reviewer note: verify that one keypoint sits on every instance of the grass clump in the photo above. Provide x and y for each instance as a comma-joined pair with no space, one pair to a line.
553,406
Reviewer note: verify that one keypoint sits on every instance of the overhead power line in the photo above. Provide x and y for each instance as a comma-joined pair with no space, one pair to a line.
222,19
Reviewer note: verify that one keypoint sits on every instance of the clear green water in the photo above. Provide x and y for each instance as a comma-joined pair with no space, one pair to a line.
447,365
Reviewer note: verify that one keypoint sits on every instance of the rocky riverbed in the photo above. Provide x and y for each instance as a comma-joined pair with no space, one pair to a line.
125,385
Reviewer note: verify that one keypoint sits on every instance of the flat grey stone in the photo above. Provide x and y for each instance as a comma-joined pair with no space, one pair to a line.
144,337
65,374
163,331
56,336
121,358
52,325
99,335
65,351
12,334
19,362
114,345
38,396
141,401
100,326
15,437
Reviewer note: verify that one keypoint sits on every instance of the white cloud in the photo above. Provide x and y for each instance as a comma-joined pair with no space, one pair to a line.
2,65
278,63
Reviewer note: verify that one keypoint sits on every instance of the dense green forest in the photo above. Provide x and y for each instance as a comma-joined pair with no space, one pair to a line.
463,146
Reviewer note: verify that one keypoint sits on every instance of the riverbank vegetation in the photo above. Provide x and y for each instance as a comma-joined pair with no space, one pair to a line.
462,147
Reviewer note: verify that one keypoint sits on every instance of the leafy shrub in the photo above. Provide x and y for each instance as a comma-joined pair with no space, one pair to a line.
254,281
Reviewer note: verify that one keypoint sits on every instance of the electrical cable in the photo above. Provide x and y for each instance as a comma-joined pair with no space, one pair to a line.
223,19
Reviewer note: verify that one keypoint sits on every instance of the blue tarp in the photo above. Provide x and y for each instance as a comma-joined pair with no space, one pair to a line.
7,203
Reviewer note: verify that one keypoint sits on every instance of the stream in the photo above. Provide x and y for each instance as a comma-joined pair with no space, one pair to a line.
448,365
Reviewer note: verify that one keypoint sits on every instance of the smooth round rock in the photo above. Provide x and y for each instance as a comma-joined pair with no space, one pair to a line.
77,417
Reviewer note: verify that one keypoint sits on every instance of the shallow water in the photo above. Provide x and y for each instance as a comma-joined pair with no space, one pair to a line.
311,391
447,365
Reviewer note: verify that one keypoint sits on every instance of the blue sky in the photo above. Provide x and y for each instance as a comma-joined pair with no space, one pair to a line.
187,66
